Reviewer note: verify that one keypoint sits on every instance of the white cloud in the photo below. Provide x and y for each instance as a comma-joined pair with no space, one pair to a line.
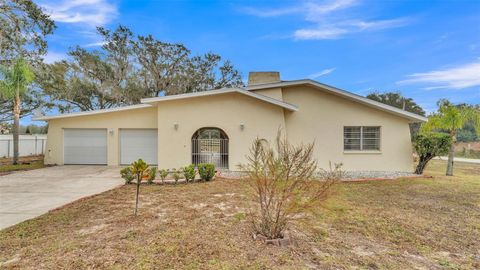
339,29
459,77
329,19
89,12
310,9
380,24
52,57
315,12
96,44
271,12
319,33
321,73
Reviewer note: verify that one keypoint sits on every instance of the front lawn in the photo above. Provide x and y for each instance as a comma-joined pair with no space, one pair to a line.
429,223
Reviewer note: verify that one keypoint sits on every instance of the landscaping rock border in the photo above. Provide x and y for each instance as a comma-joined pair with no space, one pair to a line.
348,176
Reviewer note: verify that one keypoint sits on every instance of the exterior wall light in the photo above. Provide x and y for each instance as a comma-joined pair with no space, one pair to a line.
110,131
175,126
242,126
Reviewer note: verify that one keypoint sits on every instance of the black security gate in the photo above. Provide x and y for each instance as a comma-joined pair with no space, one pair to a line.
210,145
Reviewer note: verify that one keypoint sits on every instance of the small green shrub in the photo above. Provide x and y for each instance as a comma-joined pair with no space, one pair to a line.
127,175
206,171
163,174
176,175
139,169
189,172
152,173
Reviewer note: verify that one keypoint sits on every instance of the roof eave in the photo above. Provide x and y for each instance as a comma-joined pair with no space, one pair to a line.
270,100
375,104
87,113
147,102
187,95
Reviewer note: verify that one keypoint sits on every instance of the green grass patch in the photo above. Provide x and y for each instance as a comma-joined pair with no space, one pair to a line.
22,167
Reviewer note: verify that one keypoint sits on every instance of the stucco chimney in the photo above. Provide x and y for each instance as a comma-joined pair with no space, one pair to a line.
255,77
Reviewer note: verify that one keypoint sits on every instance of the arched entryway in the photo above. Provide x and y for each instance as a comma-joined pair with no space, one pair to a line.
210,145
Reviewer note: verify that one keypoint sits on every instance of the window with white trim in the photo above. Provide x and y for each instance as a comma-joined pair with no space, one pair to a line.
361,138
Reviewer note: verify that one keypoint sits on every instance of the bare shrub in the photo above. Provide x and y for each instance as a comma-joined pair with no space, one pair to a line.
333,174
285,183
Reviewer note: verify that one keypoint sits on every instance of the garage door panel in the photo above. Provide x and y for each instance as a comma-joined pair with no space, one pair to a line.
85,146
138,143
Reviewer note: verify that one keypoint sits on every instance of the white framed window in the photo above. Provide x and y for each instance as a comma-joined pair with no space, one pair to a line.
361,138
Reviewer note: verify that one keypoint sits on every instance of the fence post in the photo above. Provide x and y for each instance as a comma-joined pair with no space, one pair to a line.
36,145
8,148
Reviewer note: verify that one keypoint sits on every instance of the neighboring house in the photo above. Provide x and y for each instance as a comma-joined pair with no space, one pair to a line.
219,126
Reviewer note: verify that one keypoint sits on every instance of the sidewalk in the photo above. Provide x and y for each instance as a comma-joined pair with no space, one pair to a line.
458,159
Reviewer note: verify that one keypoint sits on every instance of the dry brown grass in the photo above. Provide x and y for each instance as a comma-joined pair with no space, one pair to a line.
431,223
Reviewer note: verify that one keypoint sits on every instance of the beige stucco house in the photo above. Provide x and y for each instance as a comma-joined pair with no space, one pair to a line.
219,126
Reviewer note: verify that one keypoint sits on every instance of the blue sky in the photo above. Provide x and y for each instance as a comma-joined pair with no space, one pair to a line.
425,49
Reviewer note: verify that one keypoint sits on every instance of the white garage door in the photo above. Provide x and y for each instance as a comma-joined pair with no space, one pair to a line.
138,143
85,146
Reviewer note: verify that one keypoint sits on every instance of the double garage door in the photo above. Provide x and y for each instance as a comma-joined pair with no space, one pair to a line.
89,146
138,143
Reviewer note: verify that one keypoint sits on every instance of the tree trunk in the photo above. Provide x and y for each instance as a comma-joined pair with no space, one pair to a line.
420,167
136,199
16,126
451,154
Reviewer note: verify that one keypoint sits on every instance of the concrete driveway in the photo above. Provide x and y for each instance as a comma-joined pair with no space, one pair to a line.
28,194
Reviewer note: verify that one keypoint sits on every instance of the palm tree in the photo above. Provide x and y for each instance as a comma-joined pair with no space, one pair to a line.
450,118
14,82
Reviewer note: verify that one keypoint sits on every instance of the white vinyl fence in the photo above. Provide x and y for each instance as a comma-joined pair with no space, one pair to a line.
28,145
